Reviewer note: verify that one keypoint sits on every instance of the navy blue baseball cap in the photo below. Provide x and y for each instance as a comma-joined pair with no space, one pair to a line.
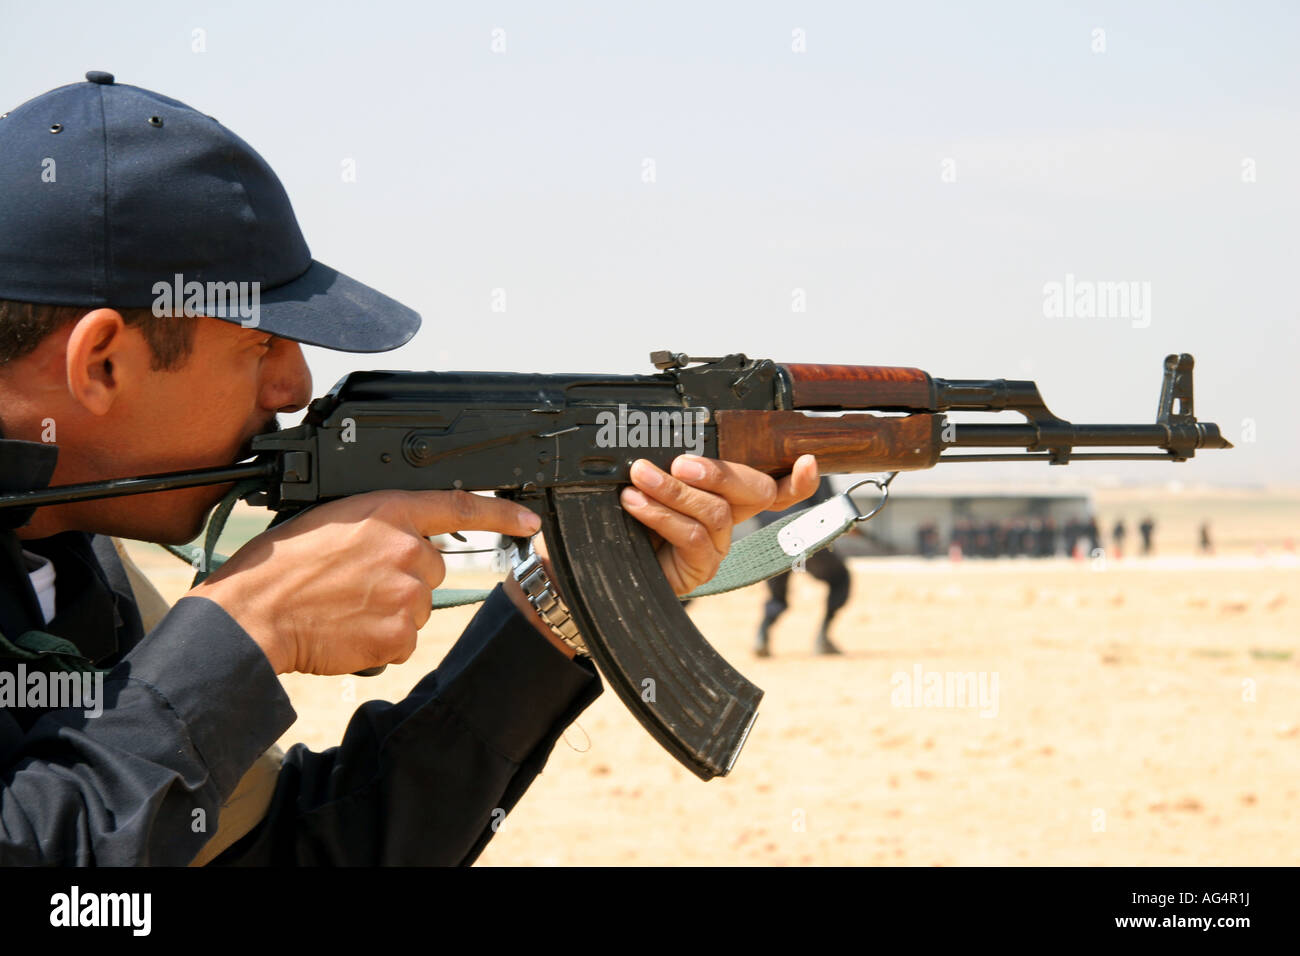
111,195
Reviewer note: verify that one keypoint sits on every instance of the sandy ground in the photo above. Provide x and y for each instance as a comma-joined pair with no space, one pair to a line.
1136,712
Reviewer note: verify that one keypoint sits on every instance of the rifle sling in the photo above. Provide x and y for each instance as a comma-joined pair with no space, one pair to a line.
756,557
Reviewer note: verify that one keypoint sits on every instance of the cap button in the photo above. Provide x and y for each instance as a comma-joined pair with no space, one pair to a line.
99,76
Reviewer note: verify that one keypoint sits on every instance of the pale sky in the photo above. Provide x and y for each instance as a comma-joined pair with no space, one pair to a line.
920,171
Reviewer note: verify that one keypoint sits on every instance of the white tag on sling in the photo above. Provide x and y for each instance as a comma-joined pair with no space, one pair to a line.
820,523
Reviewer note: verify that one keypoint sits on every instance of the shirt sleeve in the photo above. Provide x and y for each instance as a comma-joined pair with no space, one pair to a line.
427,781
138,776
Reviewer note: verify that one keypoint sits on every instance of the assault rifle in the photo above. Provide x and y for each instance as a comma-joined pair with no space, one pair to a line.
563,444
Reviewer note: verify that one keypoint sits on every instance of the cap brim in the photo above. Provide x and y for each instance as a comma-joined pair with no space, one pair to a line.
324,307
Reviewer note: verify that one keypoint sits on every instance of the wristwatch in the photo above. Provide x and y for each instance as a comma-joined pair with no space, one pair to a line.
545,598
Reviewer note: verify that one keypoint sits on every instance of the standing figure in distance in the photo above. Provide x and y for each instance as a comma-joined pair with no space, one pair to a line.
1117,535
1147,529
825,565
1093,534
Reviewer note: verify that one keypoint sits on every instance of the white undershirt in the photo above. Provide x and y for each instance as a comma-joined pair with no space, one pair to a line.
41,571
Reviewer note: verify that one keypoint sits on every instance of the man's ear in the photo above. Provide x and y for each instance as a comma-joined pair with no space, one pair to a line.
104,359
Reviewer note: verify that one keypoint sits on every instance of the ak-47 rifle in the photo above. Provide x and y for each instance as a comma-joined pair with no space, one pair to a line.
563,445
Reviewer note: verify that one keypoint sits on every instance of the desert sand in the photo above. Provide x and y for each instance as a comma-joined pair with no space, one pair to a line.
1137,711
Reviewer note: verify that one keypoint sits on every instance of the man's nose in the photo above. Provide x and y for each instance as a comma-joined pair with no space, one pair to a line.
286,384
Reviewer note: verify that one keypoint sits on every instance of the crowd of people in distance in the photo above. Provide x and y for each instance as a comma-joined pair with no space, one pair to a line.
1029,537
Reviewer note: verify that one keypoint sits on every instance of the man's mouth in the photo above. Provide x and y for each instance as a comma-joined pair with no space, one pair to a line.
246,450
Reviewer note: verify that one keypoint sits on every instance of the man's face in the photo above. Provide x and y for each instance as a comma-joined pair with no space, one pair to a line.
207,412
203,414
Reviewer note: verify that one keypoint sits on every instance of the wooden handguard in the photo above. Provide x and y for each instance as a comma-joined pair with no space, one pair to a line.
771,441
860,386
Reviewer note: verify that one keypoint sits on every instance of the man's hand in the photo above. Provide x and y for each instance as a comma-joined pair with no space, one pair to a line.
347,585
691,512
694,508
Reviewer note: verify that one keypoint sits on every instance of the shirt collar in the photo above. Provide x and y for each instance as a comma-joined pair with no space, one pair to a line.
24,466
87,613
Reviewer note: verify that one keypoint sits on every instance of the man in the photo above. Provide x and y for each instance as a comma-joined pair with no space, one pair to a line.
825,565
1147,529
109,194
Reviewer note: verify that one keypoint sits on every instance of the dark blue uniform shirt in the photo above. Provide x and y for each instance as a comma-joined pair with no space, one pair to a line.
191,705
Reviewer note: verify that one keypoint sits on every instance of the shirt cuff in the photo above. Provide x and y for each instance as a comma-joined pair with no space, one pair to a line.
501,668
219,683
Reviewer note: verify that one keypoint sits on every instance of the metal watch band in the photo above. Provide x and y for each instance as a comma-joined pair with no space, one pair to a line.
545,599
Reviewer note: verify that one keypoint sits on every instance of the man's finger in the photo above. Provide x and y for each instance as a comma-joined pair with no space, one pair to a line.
746,489
710,510
430,568
441,512
796,486
692,558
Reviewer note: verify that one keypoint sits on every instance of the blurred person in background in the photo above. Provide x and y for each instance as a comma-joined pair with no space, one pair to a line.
825,565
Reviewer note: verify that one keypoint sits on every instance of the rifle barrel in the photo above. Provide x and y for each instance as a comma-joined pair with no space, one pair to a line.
977,435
